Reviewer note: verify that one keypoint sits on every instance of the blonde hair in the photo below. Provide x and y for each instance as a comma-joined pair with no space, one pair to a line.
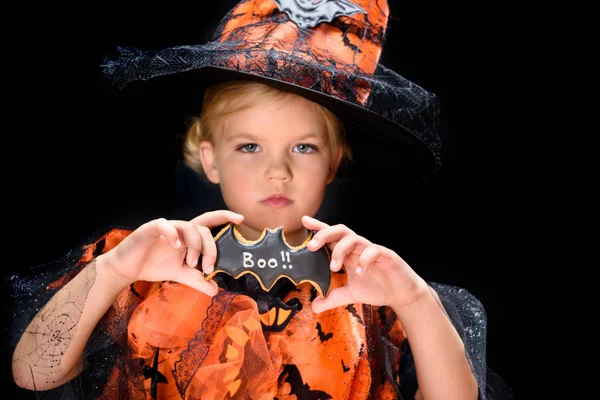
223,99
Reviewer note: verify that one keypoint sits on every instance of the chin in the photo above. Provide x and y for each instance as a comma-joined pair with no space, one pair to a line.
288,224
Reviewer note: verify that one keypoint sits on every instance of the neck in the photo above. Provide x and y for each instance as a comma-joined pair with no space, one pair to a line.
293,238
296,238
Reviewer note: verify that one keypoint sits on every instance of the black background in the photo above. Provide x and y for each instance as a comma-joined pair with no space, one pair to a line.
74,169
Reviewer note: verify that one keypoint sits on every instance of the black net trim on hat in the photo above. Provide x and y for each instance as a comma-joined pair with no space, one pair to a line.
391,96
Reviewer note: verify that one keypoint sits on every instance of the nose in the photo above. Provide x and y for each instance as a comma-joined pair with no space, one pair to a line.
278,169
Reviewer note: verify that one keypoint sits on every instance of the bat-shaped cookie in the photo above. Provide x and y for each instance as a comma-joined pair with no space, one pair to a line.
271,258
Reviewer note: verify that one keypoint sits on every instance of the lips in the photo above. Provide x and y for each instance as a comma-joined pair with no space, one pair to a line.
277,201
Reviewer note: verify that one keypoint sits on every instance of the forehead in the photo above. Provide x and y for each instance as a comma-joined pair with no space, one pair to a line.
289,114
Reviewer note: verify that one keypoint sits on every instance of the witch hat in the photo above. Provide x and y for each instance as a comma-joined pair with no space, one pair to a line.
325,50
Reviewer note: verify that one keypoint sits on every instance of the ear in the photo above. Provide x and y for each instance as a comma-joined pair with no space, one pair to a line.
209,162
335,163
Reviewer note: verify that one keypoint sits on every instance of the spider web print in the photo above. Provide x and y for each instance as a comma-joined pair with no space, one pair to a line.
106,368
53,330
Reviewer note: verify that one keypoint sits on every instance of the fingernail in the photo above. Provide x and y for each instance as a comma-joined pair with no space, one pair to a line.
178,244
333,265
312,242
359,270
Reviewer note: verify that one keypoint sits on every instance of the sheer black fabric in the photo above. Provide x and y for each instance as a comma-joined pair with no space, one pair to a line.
108,348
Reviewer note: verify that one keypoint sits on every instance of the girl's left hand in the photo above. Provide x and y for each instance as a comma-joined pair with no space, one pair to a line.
376,275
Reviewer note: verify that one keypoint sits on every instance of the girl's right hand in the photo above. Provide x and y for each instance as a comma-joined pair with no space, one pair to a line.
162,250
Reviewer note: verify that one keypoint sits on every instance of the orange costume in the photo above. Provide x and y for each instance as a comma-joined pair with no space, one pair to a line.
181,343
165,340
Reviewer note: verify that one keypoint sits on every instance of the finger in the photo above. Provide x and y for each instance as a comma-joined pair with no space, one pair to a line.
369,255
194,279
188,232
313,224
418,395
219,217
344,247
336,298
209,250
161,227
330,235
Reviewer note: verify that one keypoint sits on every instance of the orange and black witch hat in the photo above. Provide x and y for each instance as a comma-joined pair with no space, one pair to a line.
325,50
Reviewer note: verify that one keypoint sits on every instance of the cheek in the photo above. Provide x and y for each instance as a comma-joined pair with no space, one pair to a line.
316,170
311,182
237,176
233,168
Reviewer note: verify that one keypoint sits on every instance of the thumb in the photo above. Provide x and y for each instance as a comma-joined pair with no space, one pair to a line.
336,298
195,279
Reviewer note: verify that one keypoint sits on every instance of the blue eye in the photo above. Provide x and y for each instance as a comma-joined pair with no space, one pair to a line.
304,148
249,148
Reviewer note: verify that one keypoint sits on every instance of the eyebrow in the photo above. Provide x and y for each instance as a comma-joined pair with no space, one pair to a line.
241,135
248,136
311,135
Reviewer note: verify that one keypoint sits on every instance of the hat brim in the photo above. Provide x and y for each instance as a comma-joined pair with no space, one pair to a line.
377,143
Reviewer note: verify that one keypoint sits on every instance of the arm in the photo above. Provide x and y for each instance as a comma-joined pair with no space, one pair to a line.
379,276
443,370
49,352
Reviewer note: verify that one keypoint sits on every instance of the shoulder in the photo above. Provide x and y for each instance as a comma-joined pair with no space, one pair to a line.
103,241
457,296
466,312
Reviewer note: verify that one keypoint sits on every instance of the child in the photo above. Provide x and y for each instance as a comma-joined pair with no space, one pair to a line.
134,314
